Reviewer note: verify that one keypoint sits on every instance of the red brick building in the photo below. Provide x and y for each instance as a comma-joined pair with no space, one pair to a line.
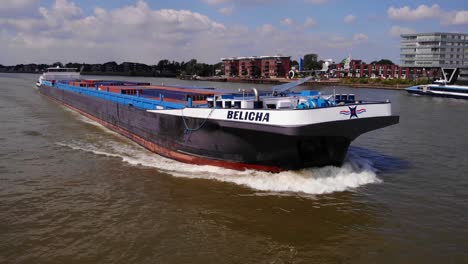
358,69
262,66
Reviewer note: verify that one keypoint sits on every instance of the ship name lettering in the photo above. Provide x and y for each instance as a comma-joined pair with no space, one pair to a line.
251,116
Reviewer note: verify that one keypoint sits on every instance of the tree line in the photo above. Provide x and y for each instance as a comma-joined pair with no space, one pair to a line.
164,68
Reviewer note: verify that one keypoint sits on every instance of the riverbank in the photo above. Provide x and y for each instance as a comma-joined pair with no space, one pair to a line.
394,84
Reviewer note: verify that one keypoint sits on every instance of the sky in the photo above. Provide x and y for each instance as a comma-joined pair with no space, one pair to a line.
146,31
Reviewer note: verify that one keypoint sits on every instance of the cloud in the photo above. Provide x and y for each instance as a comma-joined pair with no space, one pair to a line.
360,37
349,19
15,8
17,4
310,22
457,17
240,2
421,12
215,2
227,11
134,32
287,21
317,2
396,31
137,32
266,29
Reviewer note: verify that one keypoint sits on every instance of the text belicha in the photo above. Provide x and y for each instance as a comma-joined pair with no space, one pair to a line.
251,116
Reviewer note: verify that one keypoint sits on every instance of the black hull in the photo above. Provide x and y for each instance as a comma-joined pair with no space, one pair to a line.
228,144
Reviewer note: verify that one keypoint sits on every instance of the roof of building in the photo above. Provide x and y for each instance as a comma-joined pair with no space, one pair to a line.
434,33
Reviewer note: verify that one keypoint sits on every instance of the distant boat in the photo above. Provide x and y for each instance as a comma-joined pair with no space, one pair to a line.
445,87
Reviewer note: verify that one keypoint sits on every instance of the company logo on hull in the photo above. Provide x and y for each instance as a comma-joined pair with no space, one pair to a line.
250,116
353,112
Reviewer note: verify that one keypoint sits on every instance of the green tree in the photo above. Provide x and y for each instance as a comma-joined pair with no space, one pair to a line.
191,67
383,62
162,65
311,62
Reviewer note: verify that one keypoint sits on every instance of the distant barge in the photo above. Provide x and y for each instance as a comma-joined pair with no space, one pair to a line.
275,131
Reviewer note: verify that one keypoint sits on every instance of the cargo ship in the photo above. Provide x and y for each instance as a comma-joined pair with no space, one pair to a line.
270,131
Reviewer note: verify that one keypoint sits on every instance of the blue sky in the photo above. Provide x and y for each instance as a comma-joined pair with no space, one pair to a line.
147,31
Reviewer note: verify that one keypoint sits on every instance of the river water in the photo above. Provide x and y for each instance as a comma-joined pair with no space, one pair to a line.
71,191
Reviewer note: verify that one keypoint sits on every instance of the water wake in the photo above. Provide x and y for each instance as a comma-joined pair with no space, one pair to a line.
355,172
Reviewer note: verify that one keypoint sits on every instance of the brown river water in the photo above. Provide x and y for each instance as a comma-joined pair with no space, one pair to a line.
72,191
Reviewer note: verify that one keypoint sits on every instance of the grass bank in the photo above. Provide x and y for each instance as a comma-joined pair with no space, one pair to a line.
383,83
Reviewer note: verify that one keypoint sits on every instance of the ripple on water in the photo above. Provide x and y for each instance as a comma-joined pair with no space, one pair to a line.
32,133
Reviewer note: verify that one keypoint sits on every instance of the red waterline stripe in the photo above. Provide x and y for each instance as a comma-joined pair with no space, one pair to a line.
170,153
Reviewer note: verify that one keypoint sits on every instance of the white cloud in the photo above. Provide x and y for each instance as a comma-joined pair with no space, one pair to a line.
227,11
396,31
360,37
66,9
317,2
132,32
18,8
349,19
17,4
287,21
62,32
266,29
420,12
240,2
215,2
310,22
456,17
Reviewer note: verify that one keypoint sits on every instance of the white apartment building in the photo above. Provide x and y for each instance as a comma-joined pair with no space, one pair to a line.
429,50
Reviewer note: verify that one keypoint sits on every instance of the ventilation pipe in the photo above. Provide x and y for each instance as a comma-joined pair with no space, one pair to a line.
257,103
257,97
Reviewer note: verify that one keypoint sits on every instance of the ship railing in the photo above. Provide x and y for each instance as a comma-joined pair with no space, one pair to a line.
138,102
47,83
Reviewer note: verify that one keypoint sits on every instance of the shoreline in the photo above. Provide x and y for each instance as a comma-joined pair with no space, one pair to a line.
273,81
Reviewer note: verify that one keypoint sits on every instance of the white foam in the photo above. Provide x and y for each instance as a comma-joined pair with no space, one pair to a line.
354,173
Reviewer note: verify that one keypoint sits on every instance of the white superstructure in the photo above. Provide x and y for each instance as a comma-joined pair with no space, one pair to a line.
58,74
